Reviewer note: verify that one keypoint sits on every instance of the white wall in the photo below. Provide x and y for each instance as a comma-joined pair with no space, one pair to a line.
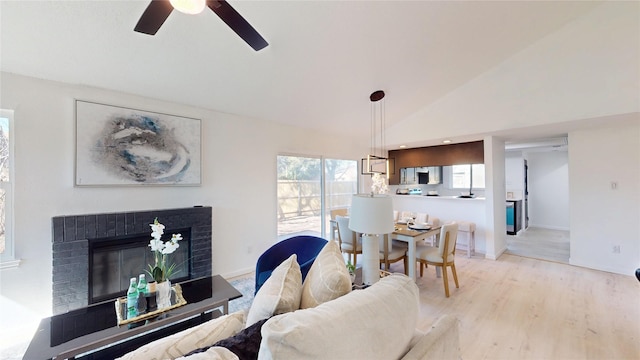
496,212
602,217
587,69
448,209
514,173
238,179
549,189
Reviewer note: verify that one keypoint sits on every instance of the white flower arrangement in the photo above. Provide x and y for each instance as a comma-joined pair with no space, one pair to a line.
160,271
379,184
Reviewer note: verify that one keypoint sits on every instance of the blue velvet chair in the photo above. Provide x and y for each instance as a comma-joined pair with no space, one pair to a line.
306,248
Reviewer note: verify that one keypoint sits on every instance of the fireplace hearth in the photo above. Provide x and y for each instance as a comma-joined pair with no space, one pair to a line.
76,236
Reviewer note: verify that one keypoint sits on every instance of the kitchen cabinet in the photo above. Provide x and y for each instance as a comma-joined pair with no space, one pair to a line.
431,175
408,176
441,155
435,175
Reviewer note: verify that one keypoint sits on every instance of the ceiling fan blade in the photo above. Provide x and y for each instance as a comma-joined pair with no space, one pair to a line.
153,17
237,23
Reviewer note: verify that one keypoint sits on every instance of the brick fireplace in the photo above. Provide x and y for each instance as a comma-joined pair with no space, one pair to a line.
73,234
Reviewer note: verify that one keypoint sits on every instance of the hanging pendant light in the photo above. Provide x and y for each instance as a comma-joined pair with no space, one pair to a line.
377,163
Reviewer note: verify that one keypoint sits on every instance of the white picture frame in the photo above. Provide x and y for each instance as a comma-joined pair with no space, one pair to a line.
120,146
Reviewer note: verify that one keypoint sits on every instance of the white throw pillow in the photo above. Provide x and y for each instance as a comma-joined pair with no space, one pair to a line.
327,279
213,353
178,344
279,294
375,323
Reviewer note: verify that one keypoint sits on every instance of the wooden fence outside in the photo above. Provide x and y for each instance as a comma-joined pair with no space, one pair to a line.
303,198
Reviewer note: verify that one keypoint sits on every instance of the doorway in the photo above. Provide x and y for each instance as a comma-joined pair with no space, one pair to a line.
540,175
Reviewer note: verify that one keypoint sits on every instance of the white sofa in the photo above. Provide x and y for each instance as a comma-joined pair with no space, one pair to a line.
375,323
321,319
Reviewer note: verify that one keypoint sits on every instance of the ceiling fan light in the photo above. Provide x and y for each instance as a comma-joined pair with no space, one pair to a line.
191,7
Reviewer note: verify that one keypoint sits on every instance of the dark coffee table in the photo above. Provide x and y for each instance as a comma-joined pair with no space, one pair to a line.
92,332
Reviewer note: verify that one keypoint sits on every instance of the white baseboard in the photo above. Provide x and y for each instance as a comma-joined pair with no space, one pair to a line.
495,256
550,227
10,264
600,267
237,273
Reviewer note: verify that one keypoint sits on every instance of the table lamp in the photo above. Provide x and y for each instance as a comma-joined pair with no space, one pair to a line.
371,215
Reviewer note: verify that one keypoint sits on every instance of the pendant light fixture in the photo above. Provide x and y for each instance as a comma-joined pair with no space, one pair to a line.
377,162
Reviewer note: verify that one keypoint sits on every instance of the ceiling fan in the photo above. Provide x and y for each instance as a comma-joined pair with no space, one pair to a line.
158,11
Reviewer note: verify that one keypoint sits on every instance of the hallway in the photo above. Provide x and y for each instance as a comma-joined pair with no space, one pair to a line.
540,243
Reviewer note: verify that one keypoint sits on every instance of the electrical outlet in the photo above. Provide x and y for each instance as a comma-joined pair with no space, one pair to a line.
249,249
616,249
614,185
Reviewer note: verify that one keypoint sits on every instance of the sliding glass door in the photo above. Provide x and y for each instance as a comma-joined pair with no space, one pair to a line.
308,188
341,182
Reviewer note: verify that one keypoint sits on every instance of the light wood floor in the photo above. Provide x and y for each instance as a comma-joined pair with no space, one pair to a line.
540,243
523,308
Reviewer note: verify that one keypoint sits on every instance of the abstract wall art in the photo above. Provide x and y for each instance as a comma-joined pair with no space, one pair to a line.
123,146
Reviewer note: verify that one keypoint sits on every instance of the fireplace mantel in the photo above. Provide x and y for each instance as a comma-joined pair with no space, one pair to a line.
70,242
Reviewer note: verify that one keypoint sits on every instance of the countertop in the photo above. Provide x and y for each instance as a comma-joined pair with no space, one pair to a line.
440,197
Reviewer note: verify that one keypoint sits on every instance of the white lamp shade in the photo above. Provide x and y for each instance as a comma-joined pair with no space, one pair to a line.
371,214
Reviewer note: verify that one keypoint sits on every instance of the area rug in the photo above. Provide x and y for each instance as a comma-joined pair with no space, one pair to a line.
246,285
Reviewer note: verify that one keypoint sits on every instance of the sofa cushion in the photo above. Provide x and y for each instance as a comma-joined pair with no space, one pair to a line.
375,323
183,342
327,279
279,294
245,344
441,341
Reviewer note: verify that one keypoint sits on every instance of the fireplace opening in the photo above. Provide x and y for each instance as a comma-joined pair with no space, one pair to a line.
114,260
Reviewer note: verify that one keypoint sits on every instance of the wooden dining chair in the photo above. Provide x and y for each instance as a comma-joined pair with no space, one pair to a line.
405,215
434,222
348,240
444,255
391,252
338,212
422,217
333,213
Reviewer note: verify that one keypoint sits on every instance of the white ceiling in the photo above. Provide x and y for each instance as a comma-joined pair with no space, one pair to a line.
323,61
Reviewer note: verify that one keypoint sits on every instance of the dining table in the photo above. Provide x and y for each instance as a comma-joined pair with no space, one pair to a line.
405,233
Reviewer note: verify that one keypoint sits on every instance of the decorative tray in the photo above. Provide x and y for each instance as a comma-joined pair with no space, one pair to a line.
177,300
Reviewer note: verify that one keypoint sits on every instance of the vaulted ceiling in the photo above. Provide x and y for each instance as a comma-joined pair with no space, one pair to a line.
323,60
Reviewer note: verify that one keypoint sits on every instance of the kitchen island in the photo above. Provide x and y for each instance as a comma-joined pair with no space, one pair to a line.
448,208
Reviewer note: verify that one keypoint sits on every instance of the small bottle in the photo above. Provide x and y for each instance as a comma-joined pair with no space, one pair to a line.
142,285
142,294
132,299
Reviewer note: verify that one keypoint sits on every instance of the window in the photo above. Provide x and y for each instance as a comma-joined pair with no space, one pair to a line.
7,258
308,188
461,176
